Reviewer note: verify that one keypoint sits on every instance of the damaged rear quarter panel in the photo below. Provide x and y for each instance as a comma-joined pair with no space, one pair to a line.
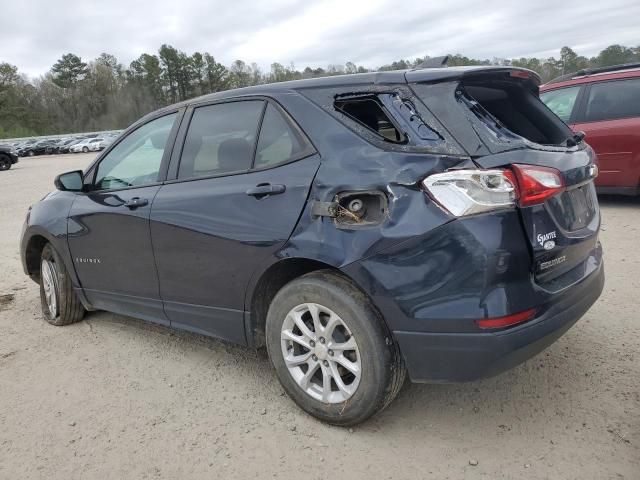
352,163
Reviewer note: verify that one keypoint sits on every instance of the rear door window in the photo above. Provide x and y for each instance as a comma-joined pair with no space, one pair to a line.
279,140
369,112
561,101
614,99
221,139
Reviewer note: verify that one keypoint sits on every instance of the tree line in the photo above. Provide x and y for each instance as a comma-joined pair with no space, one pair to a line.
102,94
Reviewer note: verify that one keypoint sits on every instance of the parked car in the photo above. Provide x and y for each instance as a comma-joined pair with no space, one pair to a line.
604,103
8,157
358,226
86,145
104,143
38,148
24,146
66,148
57,147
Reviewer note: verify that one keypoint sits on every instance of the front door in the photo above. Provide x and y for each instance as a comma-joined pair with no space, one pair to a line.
108,229
226,213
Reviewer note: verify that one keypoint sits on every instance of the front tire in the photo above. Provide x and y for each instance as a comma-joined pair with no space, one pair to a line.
331,350
85,149
5,163
60,304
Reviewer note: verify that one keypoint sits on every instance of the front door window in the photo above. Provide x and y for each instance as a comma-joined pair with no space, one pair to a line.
135,161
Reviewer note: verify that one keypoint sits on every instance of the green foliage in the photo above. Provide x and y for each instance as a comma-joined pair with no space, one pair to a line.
78,96
616,55
69,70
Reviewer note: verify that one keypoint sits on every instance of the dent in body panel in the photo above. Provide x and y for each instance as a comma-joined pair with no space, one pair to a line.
464,270
352,163
410,211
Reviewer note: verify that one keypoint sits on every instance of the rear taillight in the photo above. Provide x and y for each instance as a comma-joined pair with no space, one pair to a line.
466,192
536,184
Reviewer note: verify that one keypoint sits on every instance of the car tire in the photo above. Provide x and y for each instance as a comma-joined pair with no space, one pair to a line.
30,153
60,303
5,163
85,149
356,390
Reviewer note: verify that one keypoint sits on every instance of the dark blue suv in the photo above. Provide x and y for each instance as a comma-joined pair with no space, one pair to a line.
436,222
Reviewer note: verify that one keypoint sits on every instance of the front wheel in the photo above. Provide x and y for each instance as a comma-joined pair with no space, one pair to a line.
5,163
60,304
85,149
331,350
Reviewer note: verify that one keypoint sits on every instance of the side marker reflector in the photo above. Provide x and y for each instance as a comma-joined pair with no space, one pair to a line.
509,320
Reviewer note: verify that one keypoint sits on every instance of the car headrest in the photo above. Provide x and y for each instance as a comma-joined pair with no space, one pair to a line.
234,154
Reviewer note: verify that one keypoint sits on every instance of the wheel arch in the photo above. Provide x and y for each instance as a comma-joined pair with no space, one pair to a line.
32,253
269,283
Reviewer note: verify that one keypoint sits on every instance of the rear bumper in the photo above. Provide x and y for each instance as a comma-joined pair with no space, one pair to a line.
461,357
432,288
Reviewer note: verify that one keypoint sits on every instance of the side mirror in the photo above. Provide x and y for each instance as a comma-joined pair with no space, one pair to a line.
70,181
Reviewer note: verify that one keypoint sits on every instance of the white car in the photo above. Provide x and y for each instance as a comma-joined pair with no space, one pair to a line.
104,143
87,145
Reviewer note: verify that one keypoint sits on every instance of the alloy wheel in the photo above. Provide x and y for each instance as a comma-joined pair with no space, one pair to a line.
50,284
321,353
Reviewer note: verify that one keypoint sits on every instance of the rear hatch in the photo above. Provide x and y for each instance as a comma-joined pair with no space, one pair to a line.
563,229
498,118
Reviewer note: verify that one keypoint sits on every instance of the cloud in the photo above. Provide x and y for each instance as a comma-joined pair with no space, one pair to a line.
369,33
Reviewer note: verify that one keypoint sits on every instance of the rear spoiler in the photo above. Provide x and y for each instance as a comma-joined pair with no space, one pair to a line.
421,75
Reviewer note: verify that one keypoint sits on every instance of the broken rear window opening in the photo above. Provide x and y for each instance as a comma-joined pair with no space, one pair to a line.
511,112
368,111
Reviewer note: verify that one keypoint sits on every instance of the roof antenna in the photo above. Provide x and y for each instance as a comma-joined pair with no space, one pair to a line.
435,62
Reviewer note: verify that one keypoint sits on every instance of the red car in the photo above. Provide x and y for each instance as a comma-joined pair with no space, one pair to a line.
604,103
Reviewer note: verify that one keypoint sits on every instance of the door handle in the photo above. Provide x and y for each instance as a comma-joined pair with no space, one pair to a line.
263,189
136,202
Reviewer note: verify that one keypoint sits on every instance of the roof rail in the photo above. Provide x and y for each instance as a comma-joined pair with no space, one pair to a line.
591,71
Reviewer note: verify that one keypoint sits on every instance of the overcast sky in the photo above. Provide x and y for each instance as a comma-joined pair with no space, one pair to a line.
370,33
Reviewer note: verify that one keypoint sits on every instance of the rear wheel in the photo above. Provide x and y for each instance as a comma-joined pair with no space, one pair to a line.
331,350
5,163
60,304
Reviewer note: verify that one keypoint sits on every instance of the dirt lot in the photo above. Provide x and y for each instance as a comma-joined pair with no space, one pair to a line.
114,397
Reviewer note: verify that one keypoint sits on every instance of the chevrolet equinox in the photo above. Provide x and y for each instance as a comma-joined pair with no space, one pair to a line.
437,222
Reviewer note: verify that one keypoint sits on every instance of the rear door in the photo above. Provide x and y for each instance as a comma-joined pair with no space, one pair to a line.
243,175
611,121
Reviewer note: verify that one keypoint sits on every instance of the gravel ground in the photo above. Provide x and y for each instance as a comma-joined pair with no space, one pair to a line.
114,397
